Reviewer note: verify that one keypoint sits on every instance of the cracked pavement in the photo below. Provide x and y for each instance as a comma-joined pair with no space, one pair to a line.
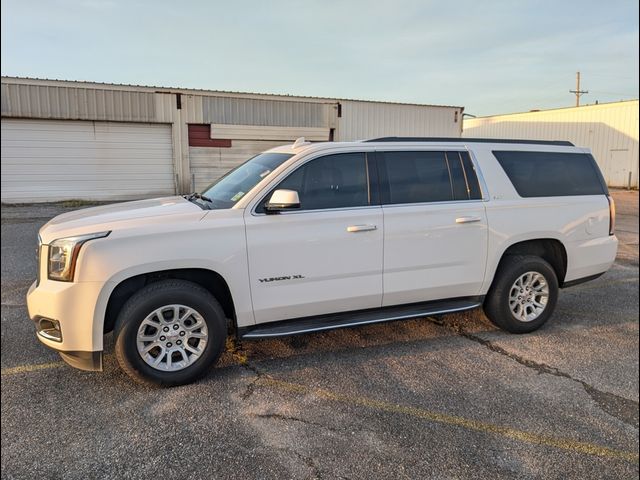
447,397
616,405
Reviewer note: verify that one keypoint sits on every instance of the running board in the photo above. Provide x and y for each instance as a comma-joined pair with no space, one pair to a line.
360,317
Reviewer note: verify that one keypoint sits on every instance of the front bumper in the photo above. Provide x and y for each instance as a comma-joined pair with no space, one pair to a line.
72,306
91,361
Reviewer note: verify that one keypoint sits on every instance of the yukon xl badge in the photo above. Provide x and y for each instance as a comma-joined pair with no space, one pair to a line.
277,279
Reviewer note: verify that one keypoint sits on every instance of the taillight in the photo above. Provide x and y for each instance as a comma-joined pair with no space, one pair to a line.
612,215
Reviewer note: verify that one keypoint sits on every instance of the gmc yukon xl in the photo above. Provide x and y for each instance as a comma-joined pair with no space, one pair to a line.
310,237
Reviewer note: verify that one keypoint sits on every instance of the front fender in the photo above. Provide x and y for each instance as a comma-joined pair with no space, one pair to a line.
238,287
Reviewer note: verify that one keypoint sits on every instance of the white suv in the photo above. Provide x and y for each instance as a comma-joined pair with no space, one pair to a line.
310,237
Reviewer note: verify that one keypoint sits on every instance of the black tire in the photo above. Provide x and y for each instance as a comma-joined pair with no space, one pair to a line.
152,297
496,304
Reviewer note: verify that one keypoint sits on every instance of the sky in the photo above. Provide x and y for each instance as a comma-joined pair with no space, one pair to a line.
489,56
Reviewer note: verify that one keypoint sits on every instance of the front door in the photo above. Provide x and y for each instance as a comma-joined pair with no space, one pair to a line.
324,257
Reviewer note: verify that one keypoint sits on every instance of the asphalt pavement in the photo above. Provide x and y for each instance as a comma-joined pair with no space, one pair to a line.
451,397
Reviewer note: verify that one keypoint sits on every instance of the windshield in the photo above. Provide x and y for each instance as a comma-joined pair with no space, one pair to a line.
226,191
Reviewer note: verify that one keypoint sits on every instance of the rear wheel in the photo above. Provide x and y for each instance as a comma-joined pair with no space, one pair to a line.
523,295
169,333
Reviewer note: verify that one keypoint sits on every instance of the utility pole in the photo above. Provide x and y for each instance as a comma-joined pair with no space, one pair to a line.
577,91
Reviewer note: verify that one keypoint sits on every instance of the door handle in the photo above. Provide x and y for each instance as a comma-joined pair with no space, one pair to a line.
361,228
467,219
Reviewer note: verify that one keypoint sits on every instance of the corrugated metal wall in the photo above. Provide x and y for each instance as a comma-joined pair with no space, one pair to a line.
41,101
610,130
286,134
235,116
362,120
249,111
209,164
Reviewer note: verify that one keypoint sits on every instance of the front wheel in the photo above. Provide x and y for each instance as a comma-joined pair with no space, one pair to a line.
169,333
523,295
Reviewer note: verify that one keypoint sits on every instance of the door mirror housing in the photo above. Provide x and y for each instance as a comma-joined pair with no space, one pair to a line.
282,200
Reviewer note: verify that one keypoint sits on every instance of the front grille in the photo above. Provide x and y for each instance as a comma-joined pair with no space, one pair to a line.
38,257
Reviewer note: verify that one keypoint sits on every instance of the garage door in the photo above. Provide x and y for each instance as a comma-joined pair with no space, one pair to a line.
52,160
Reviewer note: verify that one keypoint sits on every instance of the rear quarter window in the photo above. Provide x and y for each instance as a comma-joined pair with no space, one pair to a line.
552,174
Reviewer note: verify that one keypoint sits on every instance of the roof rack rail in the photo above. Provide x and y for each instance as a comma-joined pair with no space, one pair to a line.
562,143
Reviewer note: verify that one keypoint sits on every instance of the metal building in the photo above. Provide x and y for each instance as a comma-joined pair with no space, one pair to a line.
78,140
610,130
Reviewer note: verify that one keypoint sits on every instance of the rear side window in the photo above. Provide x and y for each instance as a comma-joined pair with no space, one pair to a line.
464,179
458,180
416,177
427,176
552,174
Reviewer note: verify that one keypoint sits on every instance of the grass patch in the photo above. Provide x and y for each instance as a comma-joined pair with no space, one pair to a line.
62,203
79,203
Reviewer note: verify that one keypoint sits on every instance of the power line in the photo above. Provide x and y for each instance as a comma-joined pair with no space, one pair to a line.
612,75
615,93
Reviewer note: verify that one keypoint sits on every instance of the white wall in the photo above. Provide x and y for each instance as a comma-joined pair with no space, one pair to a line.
53,160
610,130
361,120
53,100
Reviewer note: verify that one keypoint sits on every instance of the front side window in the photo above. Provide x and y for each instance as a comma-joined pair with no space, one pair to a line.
228,190
333,181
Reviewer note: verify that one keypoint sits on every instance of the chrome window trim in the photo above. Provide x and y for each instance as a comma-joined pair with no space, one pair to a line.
481,182
302,162
484,191
334,151
318,210
424,204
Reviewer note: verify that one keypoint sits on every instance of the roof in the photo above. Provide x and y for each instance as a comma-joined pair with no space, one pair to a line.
195,91
602,104
559,143
292,149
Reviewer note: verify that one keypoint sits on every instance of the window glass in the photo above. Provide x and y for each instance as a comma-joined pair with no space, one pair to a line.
551,174
333,181
228,190
471,177
416,177
458,178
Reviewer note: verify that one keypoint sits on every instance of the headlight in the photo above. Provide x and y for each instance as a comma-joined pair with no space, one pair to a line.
63,254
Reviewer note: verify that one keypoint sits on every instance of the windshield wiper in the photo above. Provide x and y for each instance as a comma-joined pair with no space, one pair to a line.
198,196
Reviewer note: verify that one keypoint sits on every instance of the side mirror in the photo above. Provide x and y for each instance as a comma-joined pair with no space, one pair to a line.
282,200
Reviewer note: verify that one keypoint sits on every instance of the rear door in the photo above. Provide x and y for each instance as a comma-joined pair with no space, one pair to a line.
325,257
435,242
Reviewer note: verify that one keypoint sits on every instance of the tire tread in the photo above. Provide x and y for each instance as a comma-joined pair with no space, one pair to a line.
136,301
496,309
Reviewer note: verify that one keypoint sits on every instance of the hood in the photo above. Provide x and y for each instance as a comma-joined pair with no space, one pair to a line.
119,215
